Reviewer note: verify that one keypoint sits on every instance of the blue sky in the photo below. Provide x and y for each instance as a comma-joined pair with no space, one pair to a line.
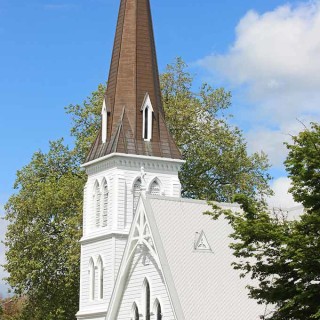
53,53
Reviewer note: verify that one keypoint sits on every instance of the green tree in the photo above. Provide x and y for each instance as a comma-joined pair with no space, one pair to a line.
303,167
10,308
283,255
217,163
45,218
45,213
86,119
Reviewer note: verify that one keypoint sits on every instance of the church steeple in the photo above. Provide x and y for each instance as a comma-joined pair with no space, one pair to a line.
135,117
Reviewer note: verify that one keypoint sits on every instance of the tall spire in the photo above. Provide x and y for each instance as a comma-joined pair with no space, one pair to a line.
135,118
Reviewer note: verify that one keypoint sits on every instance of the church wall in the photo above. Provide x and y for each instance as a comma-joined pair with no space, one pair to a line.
120,246
109,241
139,271
120,180
103,248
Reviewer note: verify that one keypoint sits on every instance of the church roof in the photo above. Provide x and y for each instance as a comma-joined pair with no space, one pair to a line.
192,250
206,284
134,75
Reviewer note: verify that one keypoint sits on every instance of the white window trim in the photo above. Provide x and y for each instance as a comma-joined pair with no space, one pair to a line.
97,205
133,311
144,298
92,276
158,181
157,303
136,193
101,277
104,115
105,203
146,105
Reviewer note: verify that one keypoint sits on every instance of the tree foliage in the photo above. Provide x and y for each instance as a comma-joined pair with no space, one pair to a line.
217,163
11,308
86,119
42,237
284,255
303,167
45,213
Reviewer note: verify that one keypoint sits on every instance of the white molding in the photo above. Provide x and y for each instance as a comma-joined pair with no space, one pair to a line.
169,283
100,237
132,156
87,314
113,259
134,240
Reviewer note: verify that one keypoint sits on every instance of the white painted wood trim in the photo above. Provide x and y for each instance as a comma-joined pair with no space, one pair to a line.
132,156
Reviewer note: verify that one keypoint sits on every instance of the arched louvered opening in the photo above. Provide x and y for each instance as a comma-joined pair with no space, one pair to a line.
100,271
91,279
135,312
136,193
147,297
96,204
105,210
155,188
147,111
146,123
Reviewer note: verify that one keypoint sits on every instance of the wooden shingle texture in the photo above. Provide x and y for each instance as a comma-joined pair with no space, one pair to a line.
133,74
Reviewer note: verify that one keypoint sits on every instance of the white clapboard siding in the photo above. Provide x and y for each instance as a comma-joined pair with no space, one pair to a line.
94,250
108,237
133,292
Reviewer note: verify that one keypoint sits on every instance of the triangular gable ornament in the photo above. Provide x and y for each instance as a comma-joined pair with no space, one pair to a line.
202,244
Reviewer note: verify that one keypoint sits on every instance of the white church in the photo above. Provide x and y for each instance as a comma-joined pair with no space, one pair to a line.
147,253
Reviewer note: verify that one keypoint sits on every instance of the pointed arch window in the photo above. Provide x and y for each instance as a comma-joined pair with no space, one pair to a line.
158,311
92,277
96,204
147,297
136,193
147,118
135,312
105,204
155,188
101,277
146,124
104,116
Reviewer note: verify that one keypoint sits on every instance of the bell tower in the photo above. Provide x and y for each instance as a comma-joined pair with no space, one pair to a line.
132,153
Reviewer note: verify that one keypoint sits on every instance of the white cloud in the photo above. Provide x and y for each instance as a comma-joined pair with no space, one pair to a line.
282,198
275,61
269,141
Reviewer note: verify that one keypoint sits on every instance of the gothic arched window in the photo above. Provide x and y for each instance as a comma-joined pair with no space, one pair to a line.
147,299
147,118
105,204
92,277
104,115
158,312
135,312
96,203
146,123
136,193
100,272
155,188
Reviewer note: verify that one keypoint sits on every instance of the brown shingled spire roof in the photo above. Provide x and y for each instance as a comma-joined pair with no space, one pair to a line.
133,75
